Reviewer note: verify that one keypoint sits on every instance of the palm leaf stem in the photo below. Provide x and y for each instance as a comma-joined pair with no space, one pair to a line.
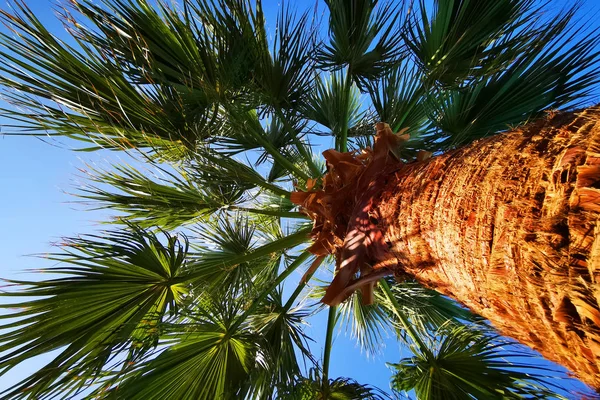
404,319
343,140
331,320
281,159
275,189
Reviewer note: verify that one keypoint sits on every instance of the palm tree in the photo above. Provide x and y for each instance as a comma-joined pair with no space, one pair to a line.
188,296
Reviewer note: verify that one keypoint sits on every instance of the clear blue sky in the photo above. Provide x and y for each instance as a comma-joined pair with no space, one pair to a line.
35,211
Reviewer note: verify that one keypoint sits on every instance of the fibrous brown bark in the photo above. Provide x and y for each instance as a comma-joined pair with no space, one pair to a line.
509,226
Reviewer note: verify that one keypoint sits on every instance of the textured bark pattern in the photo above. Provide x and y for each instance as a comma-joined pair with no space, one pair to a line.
509,226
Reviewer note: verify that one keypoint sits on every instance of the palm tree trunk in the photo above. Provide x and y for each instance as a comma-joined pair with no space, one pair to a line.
509,226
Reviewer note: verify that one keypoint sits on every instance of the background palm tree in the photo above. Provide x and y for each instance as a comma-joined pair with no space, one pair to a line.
185,296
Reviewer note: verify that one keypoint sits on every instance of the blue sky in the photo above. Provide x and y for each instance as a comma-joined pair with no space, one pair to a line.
35,211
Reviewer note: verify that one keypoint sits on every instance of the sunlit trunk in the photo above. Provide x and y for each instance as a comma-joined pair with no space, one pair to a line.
509,226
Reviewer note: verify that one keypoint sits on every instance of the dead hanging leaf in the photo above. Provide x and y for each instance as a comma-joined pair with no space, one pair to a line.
299,197
365,283
322,246
342,208
404,138
366,291
311,183
386,141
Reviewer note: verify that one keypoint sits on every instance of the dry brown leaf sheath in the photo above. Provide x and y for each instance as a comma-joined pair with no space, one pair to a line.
343,210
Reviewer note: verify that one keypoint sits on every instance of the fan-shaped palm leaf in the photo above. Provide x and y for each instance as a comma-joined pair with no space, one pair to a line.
167,201
334,104
315,387
209,356
114,292
468,363
463,38
365,37
92,99
283,331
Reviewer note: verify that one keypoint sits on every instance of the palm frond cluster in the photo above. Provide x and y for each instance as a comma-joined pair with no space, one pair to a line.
187,296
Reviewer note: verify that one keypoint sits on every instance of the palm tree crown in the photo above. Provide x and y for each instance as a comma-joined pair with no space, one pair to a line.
193,292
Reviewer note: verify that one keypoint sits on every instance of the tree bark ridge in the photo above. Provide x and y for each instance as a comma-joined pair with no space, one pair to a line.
509,226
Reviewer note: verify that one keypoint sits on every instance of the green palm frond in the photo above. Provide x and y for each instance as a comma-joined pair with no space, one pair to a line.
167,200
365,37
398,100
211,166
284,76
208,356
266,209
285,133
229,237
471,363
334,103
361,136
154,45
555,71
279,173
283,331
246,131
212,48
426,309
227,261
81,95
109,297
235,346
466,38
314,387
239,37
368,324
